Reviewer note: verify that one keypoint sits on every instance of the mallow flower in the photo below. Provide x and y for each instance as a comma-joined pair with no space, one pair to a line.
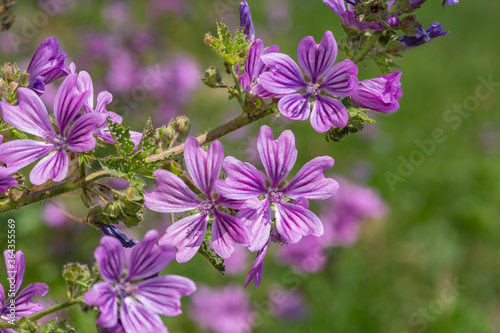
174,196
31,116
423,36
285,80
103,99
47,65
380,93
450,2
293,219
254,67
14,308
246,21
132,295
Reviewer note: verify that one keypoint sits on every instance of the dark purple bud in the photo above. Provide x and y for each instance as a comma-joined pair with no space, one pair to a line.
392,21
246,21
416,3
111,230
37,86
353,2
423,36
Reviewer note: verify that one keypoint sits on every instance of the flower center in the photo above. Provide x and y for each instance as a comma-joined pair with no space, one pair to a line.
130,289
275,196
206,207
57,140
312,89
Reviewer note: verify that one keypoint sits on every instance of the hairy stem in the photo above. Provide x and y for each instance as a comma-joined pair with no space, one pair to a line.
43,313
366,48
233,125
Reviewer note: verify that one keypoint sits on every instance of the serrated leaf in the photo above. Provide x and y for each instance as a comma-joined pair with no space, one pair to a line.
232,50
384,62
121,138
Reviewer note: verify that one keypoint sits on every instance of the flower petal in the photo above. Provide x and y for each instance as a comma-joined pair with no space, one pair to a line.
30,115
137,318
277,156
256,215
243,180
338,6
84,83
172,195
294,221
310,182
316,59
162,294
81,133
111,259
53,166
284,76
69,100
295,106
227,230
19,153
147,258
48,62
24,306
341,80
203,167
104,296
186,235
327,112
104,98
257,269
15,267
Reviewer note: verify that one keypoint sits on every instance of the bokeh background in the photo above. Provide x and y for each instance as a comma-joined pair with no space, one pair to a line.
431,263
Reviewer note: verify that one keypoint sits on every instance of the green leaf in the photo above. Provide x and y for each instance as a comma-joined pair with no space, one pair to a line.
232,50
121,138
384,62
209,254
15,132
79,279
357,119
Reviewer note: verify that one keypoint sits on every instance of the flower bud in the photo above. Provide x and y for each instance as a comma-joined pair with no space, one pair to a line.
9,72
380,93
246,21
392,21
181,125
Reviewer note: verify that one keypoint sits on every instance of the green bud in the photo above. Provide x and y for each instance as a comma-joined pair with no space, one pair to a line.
9,71
213,77
181,125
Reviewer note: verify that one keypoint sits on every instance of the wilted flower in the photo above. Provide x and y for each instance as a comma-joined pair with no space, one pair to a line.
286,81
133,296
423,36
380,93
348,16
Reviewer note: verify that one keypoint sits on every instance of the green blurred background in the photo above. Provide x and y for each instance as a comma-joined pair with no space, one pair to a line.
443,226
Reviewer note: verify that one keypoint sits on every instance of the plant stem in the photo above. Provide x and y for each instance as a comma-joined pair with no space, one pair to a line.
52,191
366,47
43,313
243,120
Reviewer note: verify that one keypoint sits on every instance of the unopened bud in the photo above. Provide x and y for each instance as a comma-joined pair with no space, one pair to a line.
212,78
181,125
9,72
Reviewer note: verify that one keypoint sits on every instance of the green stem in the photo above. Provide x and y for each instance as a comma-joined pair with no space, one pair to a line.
52,191
43,313
243,120
238,87
366,48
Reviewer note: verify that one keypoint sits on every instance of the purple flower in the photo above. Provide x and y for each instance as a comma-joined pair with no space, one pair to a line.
423,36
416,3
137,290
14,308
245,182
103,99
288,305
222,310
47,65
254,67
285,81
257,269
380,93
31,116
246,21
450,2
343,216
174,196
348,16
